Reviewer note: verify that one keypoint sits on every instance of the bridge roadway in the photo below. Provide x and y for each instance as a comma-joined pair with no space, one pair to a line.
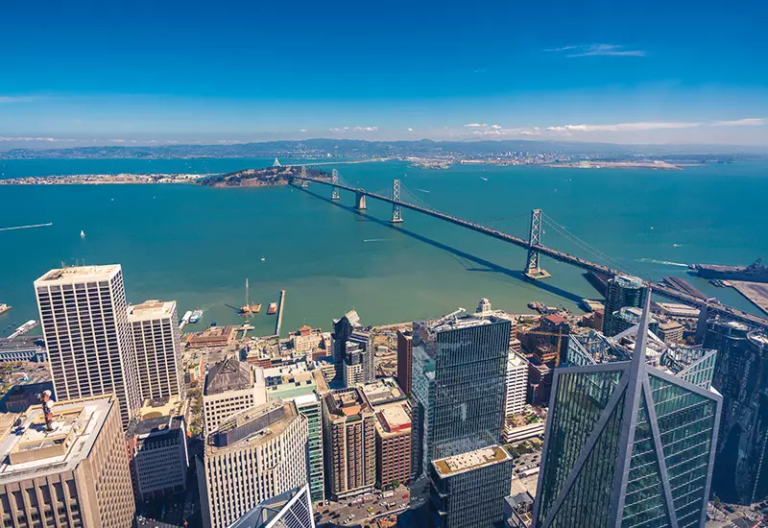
658,287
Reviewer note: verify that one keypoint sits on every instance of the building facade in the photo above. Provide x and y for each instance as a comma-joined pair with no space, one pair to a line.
627,445
230,387
349,431
516,384
393,444
76,475
292,509
85,325
353,353
621,291
741,375
23,348
157,345
469,489
255,455
157,445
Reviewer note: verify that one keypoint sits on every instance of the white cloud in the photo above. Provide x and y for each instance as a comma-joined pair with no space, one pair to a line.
410,129
623,127
597,50
496,127
476,125
28,139
749,121
354,129
303,130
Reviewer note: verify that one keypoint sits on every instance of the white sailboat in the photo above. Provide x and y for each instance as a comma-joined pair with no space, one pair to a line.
82,234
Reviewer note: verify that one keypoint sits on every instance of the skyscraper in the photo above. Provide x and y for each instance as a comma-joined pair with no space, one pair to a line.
404,351
254,455
741,375
292,509
157,344
458,381
627,445
622,291
74,475
516,384
230,387
85,324
349,431
353,353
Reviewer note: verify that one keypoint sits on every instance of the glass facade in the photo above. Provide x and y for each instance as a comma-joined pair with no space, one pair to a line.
622,292
670,455
458,376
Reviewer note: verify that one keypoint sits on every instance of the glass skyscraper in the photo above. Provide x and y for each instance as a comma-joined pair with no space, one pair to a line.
458,374
627,445
623,291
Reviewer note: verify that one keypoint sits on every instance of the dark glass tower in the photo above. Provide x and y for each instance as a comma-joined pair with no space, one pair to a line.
627,445
741,376
623,291
459,368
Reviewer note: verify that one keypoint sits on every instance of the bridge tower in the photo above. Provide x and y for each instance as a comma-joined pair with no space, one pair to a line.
532,268
334,181
304,183
360,200
397,214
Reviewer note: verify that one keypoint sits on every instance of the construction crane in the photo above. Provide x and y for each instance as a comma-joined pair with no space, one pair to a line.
553,334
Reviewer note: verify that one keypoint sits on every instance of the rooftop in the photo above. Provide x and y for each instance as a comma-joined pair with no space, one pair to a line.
383,391
78,274
458,321
228,375
158,416
392,419
346,403
37,452
252,426
628,281
759,338
454,465
149,310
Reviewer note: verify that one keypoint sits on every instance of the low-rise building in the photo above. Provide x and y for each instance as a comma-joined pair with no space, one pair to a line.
670,331
157,443
230,387
253,456
67,469
23,348
306,339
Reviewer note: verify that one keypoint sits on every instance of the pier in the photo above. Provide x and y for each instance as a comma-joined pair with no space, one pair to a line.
280,307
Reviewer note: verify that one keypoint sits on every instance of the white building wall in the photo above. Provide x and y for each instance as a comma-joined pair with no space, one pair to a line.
517,381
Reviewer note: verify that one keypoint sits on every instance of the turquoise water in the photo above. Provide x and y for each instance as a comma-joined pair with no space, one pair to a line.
198,245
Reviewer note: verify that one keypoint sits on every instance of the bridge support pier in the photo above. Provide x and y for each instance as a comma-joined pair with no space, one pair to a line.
335,180
532,267
304,183
360,201
397,213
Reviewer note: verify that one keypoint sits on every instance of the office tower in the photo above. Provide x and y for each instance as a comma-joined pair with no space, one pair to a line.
73,475
627,445
292,509
349,431
516,384
741,375
457,393
621,291
404,351
469,489
393,431
85,324
300,386
157,446
254,455
342,330
230,387
157,345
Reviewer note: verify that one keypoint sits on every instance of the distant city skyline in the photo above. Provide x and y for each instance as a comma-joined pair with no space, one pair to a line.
654,73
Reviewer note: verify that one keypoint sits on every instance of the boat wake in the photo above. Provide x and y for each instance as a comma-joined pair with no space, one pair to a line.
424,191
665,262
376,239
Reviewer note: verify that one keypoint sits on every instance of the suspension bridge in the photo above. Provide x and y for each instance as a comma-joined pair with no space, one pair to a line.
533,244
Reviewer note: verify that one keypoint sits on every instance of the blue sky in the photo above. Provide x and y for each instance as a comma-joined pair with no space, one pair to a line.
131,72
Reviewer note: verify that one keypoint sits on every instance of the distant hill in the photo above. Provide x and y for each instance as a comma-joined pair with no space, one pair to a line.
351,149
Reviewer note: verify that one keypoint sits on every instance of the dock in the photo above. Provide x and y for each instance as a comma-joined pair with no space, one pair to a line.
280,307
683,286
756,292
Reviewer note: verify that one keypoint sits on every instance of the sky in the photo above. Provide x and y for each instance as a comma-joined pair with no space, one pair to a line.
139,72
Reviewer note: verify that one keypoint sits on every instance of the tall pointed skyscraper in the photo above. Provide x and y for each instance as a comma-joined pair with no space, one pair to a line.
627,445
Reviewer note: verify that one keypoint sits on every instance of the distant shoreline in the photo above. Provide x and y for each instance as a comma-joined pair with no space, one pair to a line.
106,179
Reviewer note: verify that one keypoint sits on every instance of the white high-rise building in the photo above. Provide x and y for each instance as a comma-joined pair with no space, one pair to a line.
157,344
517,381
254,455
85,325
230,387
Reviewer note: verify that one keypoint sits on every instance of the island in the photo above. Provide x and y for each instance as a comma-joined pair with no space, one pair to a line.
267,177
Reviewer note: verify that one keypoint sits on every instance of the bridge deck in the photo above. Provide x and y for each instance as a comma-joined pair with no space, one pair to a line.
560,256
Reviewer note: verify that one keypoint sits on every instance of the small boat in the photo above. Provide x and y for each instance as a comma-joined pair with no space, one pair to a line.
195,317
272,308
82,234
263,259
187,315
